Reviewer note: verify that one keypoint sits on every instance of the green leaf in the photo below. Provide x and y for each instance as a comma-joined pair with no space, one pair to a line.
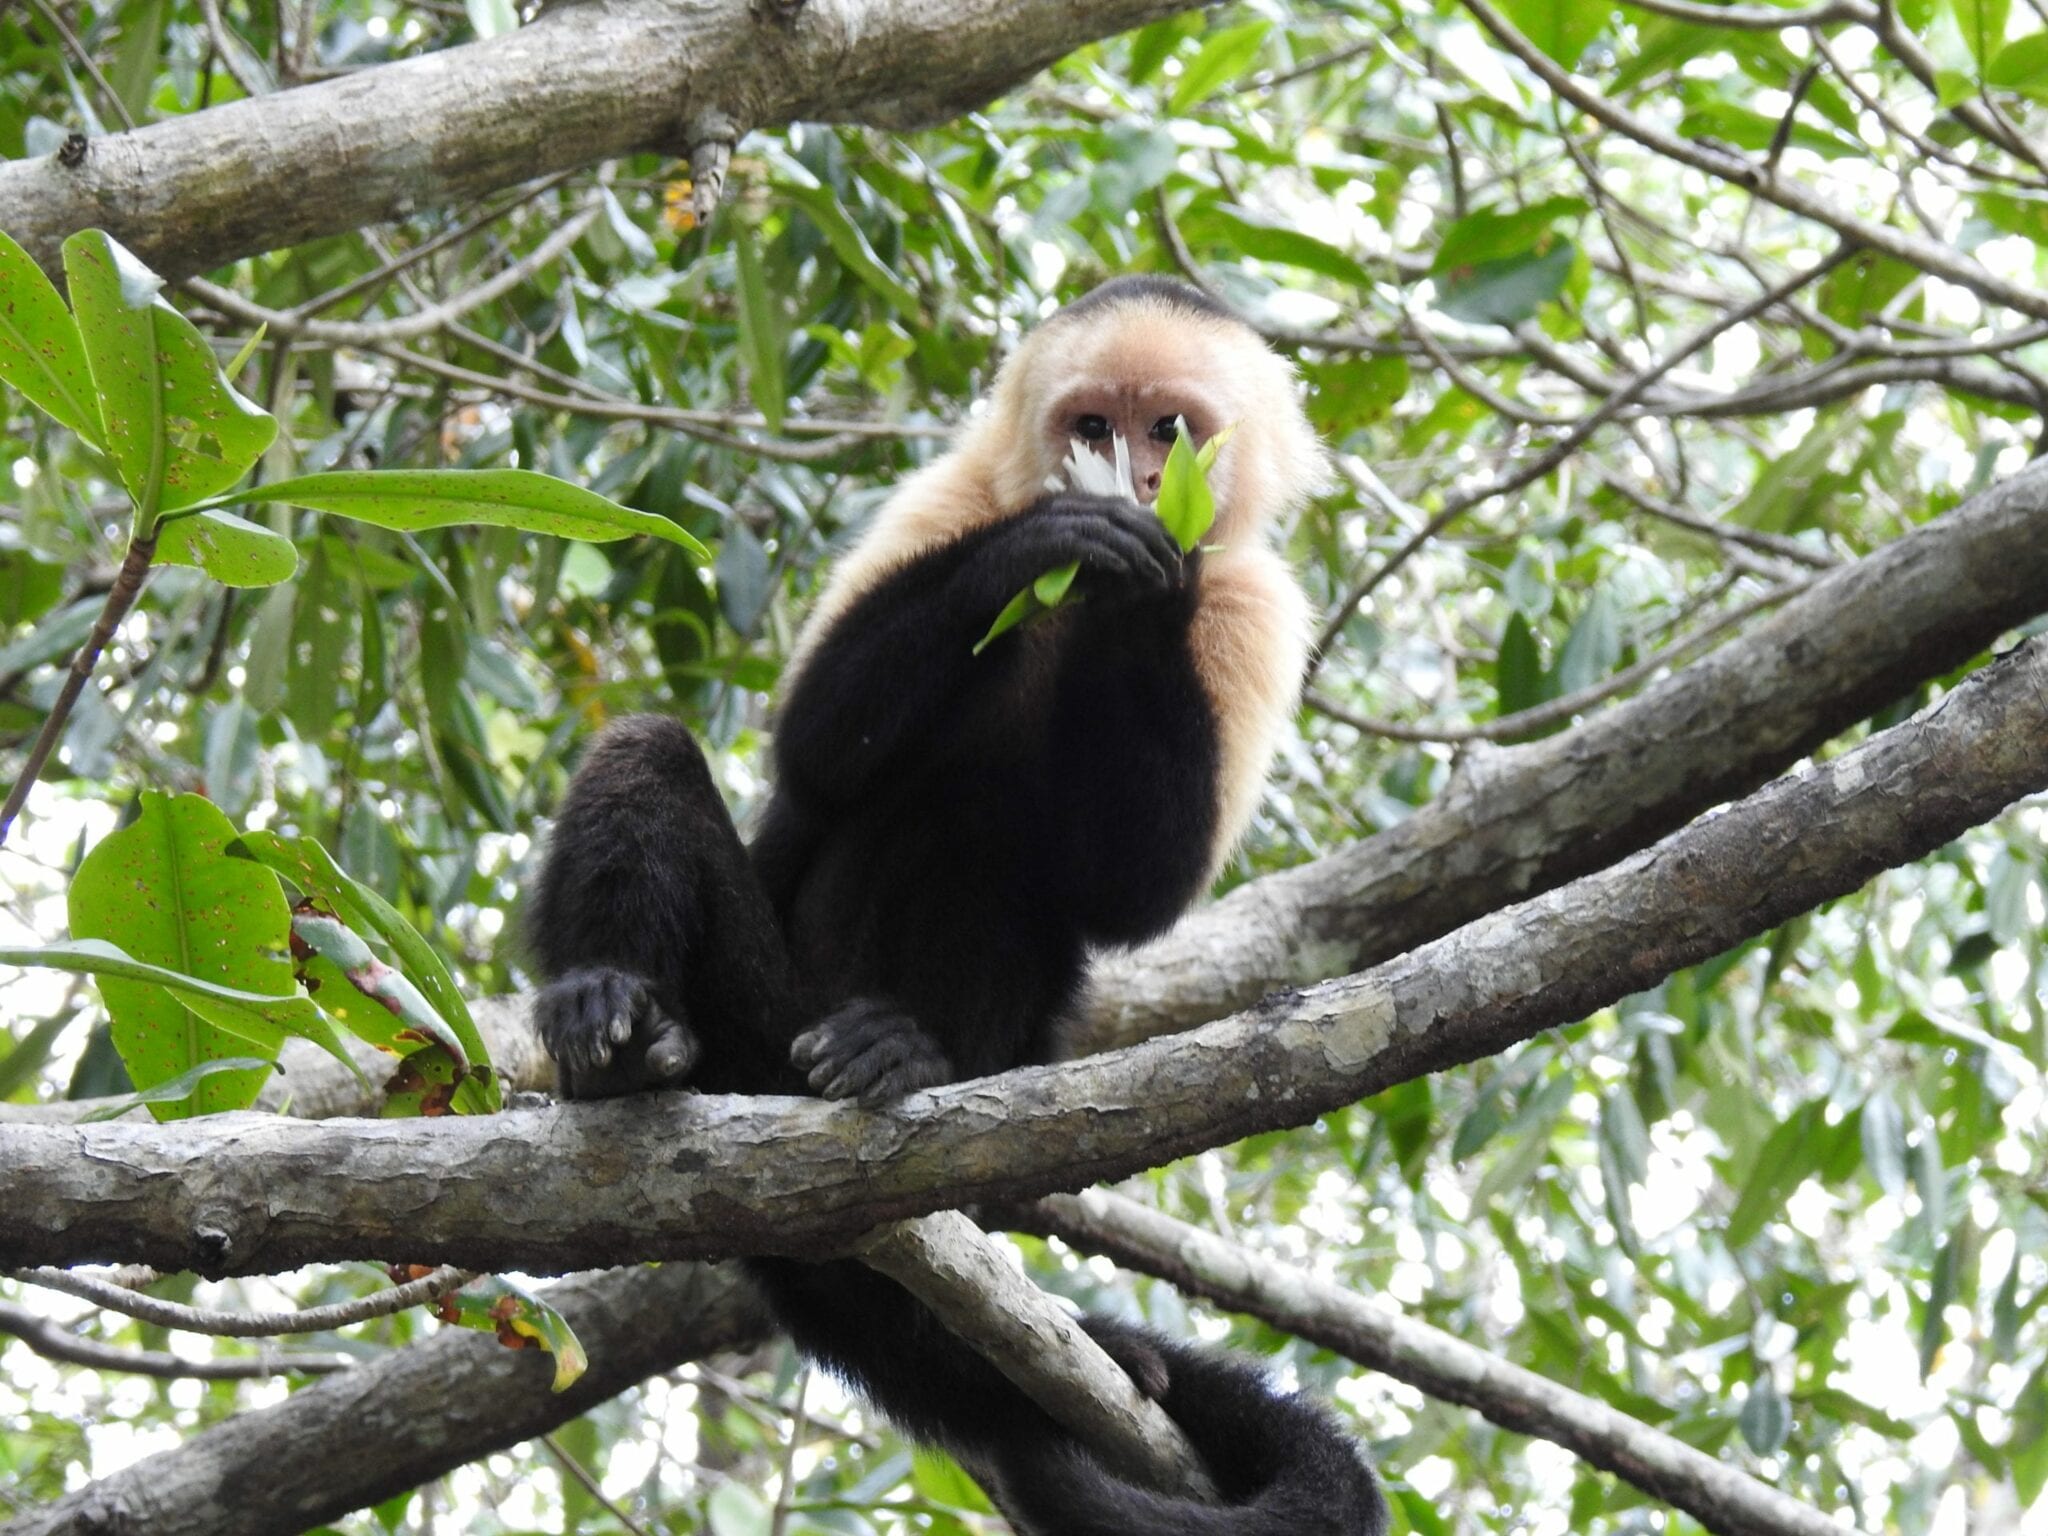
310,867
40,351
249,1018
1788,1155
211,928
232,550
1561,28
2022,66
1982,23
1051,588
402,1008
1185,504
1015,612
415,499
760,332
1883,1132
520,1319
1264,239
1224,56
1766,1417
177,430
133,75
1510,291
1518,668
1495,234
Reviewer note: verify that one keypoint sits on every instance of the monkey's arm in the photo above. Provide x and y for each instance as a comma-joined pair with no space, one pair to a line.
889,672
662,955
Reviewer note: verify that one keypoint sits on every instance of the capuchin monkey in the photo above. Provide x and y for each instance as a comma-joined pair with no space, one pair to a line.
949,837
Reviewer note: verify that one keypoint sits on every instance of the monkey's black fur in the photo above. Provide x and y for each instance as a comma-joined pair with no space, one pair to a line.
948,836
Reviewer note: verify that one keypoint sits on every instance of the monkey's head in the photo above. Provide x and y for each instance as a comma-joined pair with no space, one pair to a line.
1133,357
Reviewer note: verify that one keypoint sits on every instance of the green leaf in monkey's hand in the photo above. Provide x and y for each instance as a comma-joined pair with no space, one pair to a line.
1185,503
1047,592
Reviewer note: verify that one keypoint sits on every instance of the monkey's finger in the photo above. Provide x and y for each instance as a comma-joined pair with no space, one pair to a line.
672,1052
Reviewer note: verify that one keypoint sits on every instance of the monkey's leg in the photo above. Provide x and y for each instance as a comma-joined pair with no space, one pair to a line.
662,955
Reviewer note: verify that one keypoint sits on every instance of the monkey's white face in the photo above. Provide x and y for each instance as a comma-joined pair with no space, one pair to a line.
1095,412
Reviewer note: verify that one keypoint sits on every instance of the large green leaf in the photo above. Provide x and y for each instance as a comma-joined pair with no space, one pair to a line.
176,428
1494,234
414,499
164,890
1982,23
40,351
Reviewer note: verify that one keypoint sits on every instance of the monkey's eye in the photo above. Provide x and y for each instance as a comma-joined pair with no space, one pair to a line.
1091,429
1166,429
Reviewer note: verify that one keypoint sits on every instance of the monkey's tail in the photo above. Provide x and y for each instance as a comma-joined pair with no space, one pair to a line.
1282,1465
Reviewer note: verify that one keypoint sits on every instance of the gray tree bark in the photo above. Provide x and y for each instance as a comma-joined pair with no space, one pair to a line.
683,1176
584,82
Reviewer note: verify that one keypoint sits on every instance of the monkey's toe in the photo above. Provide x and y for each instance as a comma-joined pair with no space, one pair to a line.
870,1052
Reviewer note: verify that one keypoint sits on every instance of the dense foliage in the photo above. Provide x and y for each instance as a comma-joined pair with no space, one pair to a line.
1789,1207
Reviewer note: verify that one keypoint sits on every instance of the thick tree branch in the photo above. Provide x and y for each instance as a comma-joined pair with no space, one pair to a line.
1523,819
1724,1499
582,83
259,1474
676,1175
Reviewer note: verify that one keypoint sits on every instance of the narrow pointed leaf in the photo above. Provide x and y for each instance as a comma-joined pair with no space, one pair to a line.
411,500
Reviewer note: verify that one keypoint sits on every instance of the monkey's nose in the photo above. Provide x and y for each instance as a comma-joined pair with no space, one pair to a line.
1149,491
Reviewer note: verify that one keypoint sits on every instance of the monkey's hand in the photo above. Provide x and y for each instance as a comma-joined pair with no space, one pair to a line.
1124,549
609,1036
869,1051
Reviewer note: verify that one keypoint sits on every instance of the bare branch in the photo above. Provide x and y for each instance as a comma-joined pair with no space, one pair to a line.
577,85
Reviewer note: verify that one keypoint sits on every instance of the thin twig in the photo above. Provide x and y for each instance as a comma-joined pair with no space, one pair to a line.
591,1486
249,1325
120,598
53,1341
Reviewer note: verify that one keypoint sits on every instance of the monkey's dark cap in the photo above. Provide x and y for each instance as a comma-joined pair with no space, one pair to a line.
1146,287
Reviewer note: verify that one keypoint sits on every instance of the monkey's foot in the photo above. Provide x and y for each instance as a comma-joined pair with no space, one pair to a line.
609,1036
1134,1349
869,1051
